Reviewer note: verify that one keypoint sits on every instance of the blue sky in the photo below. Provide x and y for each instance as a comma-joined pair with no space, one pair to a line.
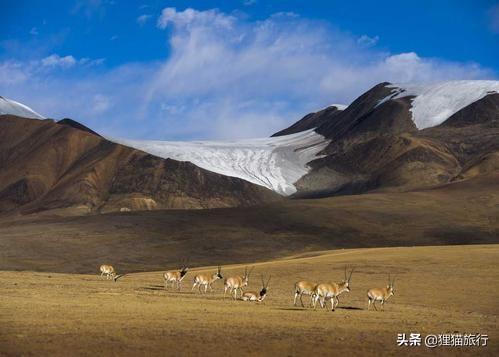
230,69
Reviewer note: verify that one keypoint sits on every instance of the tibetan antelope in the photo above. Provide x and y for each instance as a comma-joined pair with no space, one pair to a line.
304,288
206,280
108,271
331,291
235,283
380,294
258,297
175,277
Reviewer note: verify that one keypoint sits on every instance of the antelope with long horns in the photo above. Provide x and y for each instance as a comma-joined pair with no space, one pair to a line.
175,277
260,296
206,280
304,287
380,294
235,283
108,271
331,291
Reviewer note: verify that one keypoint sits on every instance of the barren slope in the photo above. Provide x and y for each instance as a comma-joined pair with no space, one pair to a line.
47,166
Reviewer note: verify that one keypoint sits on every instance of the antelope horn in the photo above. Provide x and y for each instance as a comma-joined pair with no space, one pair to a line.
263,281
118,277
345,272
350,276
268,281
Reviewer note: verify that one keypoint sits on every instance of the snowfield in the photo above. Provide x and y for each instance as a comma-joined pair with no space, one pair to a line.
435,103
9,106
276,163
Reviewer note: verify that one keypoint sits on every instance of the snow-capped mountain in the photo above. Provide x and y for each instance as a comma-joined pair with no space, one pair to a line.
435,103
9,106
275,163
376,142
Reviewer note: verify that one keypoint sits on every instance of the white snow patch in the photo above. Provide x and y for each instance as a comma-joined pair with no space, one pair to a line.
435,103
276,163
339,106
9,106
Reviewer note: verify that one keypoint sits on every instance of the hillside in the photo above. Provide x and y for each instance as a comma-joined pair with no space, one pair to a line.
387,140
459,213
61,166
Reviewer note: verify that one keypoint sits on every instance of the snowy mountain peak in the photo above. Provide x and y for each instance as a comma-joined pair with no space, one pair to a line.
435,103
9,106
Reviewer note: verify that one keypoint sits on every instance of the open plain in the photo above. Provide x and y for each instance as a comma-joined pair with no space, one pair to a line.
438,290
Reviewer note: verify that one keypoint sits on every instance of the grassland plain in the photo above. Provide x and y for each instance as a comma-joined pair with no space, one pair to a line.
447,289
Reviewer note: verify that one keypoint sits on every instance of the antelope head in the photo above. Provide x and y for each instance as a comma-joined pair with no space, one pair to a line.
184,269
247,275
218,274
390,287
265,287
346,281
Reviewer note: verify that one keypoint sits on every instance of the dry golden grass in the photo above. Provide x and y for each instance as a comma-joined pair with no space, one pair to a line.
438,290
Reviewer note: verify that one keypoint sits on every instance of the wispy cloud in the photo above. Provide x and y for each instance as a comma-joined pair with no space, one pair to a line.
224,77
367,41
143,19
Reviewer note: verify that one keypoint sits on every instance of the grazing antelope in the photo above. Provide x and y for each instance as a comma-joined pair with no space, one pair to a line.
380,294
175,277
234,283
258,297
304,288
331,291
108,271
206,280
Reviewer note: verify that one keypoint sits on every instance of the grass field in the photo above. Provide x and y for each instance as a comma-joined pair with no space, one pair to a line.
448,289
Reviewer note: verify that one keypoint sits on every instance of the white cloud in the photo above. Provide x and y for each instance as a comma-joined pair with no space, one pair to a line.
33,31
142,19
224,77
194,18
55,60
367,41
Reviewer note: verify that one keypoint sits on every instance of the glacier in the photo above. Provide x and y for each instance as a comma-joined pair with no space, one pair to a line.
276,162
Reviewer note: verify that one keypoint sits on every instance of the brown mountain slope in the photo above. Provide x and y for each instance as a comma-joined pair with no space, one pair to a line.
311,121
458,213
45,166
379,148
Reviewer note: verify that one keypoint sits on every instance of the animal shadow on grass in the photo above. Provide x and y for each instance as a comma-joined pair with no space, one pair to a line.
154,287
349,308
293,308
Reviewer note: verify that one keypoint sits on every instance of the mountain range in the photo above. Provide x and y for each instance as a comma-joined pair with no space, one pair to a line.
393,138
